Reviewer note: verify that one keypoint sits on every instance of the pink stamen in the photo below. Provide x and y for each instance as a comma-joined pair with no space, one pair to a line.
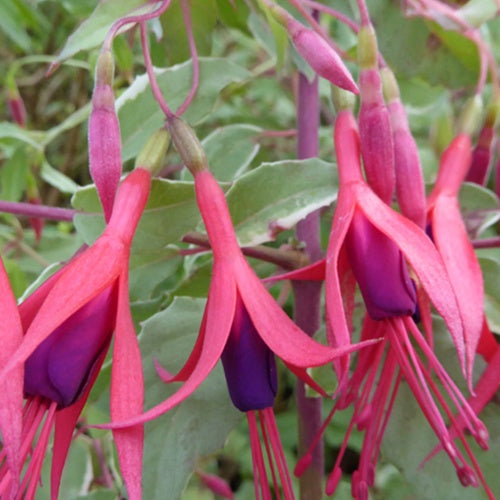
259,469
269,454
279,456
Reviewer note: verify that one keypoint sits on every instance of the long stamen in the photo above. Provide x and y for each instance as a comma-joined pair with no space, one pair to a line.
259,469
278,454
269,454
475,426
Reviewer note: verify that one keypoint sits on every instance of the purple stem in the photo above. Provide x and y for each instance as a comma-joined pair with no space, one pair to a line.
186,14
38,211
308,294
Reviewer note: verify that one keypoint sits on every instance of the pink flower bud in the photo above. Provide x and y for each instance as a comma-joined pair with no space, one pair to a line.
375,136
104,136
320,56
16,107
481,156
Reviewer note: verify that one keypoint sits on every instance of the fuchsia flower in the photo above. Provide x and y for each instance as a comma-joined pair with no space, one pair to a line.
242,325
369,239
68,323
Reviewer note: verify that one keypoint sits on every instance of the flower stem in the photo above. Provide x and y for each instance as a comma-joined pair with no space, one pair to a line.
287,259
307,295
41,211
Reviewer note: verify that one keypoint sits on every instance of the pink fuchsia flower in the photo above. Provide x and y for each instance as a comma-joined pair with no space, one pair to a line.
452,242
370,240
105,160
68,324
242,324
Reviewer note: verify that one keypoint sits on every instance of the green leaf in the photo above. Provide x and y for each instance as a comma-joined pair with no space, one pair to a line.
57,179
13,175
16,17
139,113
477,12
413,47
479,206
196,427
203,21
277,195
491,276
11,131
92,31
170,213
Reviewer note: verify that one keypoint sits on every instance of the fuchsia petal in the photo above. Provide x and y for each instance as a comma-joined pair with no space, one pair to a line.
423,258
453,244
277,330
219,318
127,394
189,366
312,272
11,388
82,280
337,327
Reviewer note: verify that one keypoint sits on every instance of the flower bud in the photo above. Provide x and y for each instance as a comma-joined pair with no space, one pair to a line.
316,51
104,135
187,144
470,116
249,365
152,154
410,189
481,156
375,136
15,103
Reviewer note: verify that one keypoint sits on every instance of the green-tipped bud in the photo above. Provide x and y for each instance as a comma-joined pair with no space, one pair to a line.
493,113
152,154
367,47
342,99
279,14
105,68
441,133
187,144
389,85
470,118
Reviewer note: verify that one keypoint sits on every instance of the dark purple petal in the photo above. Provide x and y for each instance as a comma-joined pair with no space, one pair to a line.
249,365
60,368
380,270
